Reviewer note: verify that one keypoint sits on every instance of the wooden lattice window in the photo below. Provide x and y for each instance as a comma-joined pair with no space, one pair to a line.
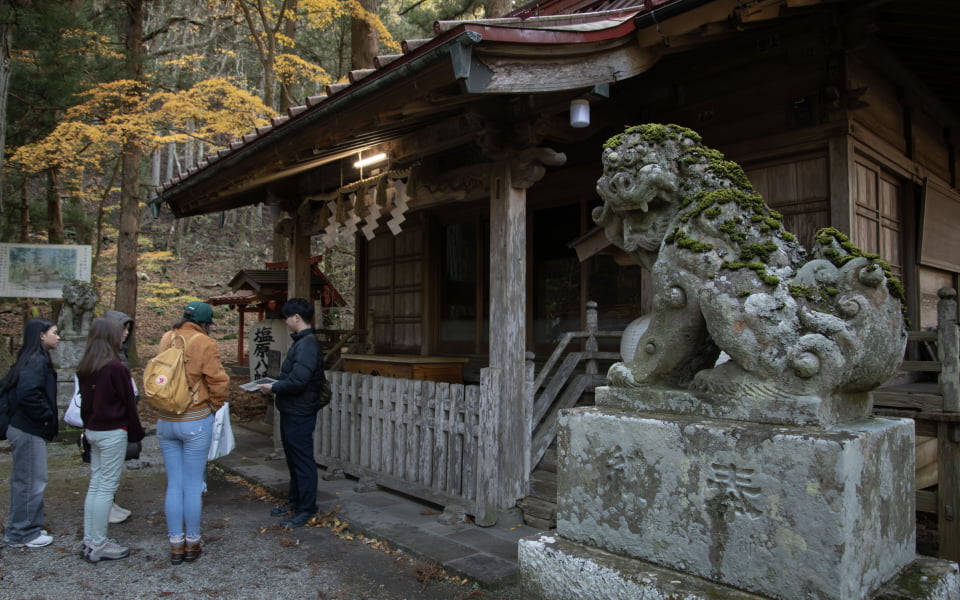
877,214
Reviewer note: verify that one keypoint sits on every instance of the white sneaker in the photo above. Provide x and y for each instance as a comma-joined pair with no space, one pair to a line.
44,539
118,514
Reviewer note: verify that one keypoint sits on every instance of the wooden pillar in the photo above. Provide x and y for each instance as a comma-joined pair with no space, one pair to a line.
948,433
948,349
240,359
508,260
298,261
842,184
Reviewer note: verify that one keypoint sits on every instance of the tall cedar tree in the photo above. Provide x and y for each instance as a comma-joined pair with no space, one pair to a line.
130,189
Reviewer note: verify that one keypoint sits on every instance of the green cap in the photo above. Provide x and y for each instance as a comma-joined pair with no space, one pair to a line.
201,312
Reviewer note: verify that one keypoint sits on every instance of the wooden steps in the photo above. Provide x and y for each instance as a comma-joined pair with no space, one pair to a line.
540,506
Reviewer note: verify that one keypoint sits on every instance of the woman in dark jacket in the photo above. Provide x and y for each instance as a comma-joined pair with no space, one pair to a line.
109,412
33,422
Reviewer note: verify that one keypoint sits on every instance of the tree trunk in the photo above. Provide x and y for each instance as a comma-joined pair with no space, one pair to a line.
269,78
364,42
54,209
126,299
24,212
6,42
290,31
496,8
180,229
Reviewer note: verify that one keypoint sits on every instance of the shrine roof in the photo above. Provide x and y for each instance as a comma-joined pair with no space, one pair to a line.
599,42
271,284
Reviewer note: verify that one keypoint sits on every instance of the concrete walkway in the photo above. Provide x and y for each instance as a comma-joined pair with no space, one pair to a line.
487,555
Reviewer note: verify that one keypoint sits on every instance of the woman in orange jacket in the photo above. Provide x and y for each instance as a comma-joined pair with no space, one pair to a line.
185,438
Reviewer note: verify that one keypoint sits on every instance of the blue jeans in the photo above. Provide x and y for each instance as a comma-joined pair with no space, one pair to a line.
185,445
107,451
296,433
28,480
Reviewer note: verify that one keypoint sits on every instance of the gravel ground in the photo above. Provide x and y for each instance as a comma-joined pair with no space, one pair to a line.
246,554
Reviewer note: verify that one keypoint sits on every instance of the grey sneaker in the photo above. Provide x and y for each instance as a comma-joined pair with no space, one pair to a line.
108,550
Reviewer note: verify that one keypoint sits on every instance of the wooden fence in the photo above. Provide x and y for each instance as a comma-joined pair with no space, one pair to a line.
441,441
422,438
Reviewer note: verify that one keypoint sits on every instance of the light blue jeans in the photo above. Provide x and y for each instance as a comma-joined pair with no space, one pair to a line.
185,445
107,451
28,480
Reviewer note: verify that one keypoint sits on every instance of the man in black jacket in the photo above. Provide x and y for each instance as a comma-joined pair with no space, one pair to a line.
298,400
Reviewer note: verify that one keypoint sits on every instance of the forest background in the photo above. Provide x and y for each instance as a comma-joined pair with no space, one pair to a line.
101,101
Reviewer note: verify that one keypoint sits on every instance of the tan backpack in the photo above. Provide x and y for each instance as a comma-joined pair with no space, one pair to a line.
165,379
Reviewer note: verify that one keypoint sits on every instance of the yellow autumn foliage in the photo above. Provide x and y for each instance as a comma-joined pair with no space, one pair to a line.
321,15
121,112
291,69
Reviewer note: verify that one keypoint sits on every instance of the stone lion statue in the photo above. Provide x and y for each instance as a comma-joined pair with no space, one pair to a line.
726,276
79,300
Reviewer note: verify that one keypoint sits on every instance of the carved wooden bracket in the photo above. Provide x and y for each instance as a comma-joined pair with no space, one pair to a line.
529,166
284,226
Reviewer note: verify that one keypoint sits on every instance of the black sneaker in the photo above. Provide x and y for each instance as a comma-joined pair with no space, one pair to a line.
281,511
298,520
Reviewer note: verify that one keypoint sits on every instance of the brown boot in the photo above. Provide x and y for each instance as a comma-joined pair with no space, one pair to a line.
192,550
176,552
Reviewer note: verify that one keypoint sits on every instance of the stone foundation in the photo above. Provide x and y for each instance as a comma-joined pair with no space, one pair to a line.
552,568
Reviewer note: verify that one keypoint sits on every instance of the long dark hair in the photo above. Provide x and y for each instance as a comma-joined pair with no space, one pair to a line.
103,345
32,347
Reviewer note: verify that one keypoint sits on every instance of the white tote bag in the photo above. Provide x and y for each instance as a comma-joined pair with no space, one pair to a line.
222,443
72,414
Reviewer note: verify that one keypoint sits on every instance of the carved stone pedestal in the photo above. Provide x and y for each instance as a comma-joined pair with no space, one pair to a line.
686,504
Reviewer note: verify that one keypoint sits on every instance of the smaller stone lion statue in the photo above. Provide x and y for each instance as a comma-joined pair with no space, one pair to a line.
79,300
727,276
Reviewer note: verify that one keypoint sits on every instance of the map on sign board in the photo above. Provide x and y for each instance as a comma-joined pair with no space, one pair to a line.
41,270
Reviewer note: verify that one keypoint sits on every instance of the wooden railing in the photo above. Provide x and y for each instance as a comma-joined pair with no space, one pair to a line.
560,386
935,408
359,341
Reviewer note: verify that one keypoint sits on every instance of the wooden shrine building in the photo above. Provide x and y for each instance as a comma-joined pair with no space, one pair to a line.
457,169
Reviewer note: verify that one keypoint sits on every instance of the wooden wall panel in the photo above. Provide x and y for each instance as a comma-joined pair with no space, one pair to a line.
930,145
879,108
797,187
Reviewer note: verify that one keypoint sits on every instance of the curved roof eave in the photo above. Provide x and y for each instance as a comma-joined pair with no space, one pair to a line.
454,46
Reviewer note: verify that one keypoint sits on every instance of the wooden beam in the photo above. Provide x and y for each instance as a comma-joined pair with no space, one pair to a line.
512,75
